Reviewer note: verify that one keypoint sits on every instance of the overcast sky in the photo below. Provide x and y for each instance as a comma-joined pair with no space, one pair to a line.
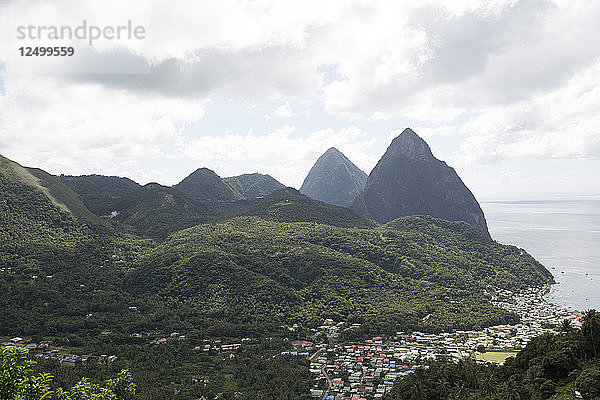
506,92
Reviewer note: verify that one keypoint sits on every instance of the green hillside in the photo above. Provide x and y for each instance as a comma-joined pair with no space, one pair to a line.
251,269
288,205
157,211
100,194
253,185
204,184
46,253
388,278
40,181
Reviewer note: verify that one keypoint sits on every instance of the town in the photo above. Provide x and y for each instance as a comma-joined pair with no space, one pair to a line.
367,369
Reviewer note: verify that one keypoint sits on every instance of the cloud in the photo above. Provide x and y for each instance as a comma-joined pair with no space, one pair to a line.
255,75
563,123
391,59
448,61
498,79
87,125
284,111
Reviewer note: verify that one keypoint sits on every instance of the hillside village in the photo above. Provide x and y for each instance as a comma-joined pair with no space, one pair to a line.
367,369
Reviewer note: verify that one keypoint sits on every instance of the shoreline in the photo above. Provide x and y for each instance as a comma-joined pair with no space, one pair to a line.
369,367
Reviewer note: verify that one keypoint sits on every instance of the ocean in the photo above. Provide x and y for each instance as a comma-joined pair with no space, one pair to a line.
564,235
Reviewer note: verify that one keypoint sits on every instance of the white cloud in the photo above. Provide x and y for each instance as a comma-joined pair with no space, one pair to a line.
284,111
505,79
418,60
431,59
563,123
44,122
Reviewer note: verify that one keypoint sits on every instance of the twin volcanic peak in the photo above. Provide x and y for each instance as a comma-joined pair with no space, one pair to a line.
334,179
409,180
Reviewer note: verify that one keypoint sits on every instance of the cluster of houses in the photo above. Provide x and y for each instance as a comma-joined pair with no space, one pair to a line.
212,345
367,369
534,309
22,343
215,345
218,346
332,329
44,350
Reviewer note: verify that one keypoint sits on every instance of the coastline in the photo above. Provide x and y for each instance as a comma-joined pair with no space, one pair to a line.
369,367
562,234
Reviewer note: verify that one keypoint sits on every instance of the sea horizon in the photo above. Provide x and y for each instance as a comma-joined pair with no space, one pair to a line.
562,234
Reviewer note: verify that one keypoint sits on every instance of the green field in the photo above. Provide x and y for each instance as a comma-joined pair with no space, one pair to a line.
495,356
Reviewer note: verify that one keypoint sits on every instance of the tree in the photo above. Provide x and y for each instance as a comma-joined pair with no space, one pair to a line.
15,379
591,325
566,326
488,385
461,392
588,383
511,389
443,386
17,383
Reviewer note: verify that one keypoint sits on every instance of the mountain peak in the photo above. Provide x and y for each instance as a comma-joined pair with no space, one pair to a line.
332,151
205,184
409,180
334,179
203,170
253,185
411,145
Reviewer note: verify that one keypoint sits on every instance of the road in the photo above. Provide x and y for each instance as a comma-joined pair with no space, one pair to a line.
324,372
329,382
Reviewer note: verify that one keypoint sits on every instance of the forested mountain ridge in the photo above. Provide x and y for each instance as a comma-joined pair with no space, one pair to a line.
40,181
316,255
334,179
253,185
101,194
387,277
289,205
409,180
205,184
156,211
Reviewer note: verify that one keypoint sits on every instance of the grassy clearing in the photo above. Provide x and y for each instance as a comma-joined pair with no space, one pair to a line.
495,356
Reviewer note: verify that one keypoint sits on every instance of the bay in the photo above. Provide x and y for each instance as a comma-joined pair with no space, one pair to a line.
564,235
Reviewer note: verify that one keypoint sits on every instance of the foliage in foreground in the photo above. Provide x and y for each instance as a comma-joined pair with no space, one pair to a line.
18,383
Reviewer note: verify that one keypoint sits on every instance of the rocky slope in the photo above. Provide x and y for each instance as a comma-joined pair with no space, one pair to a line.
409,180
334,179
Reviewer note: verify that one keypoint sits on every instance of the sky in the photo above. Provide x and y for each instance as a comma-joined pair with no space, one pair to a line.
506,92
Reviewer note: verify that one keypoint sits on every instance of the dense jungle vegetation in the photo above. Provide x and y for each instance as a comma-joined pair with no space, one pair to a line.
90,286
